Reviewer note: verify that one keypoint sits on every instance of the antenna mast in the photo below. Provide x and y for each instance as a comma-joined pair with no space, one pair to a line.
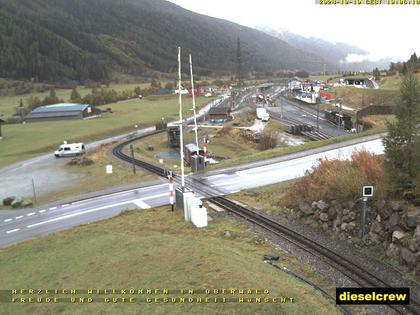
181,145
194,108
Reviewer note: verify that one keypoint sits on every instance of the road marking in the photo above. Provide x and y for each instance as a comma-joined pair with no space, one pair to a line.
42,211
12,231
139,189
135,201
65,205
154,197
235,191
141,204
30,214
7,220
53,208
79,213
19,217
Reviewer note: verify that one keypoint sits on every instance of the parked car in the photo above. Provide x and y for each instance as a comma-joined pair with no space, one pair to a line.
70,149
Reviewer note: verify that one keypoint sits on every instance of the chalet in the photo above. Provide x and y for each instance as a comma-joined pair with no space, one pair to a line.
218,114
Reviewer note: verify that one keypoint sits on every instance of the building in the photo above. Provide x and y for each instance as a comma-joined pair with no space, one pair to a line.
63,111
218,114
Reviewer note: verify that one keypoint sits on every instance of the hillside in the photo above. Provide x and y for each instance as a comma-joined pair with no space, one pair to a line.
51,40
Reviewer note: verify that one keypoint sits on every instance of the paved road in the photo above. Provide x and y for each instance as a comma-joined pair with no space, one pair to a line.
24,224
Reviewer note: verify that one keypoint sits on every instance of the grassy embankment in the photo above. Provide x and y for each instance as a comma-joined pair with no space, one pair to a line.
145,250
32,139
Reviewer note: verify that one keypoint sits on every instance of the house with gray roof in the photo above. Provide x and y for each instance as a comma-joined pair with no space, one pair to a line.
62,111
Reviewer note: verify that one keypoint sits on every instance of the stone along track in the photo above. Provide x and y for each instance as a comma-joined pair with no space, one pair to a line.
353,271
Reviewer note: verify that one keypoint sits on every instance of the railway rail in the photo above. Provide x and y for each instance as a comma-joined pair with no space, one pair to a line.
358,274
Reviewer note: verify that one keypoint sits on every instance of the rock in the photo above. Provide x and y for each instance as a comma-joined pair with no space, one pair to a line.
374,238
413,218
323,217
227,234
409,258
332,212
393,220
398,236
378,218
306,208
321,205
393,251
324,226
346,211
17,203
414,245
351,226
27,203
395,206
352,215
376,227
350,204
380,204
8,200
343,226
417,232
337,221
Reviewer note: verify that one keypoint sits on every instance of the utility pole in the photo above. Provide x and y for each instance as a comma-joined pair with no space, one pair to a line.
317,117
194,107
33,189
132,158
181,146
239,62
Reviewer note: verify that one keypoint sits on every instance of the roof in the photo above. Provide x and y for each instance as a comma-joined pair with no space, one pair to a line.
191,147
62,107
219,111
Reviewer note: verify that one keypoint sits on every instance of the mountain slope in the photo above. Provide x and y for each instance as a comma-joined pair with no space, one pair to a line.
51,40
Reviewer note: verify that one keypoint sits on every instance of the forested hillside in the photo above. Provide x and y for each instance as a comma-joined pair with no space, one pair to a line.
52,40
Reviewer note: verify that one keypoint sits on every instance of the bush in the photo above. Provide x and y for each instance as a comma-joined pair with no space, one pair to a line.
267,140
342,180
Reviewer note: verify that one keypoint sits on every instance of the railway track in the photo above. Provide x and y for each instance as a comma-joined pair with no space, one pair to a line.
341,263
348,268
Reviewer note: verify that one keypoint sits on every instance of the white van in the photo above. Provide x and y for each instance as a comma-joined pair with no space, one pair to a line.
70,149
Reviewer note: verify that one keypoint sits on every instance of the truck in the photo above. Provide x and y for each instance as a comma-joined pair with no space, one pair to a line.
70,149
262,114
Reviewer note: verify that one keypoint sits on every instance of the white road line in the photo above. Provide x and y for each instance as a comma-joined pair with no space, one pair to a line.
53,208
65,205
77,214
140,189
7,220
12,231
141,204
19,217
155,196
135,201
30,214
235,191
42,211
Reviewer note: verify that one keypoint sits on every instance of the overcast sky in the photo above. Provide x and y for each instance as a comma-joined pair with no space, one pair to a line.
382,30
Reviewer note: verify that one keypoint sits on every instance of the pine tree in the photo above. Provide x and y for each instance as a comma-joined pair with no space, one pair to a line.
75,96
402,154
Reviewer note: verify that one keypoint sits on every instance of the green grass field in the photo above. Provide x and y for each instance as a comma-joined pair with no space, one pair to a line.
8,104
23,141
157,249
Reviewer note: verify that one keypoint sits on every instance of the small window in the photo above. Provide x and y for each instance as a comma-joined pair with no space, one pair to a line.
67,149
